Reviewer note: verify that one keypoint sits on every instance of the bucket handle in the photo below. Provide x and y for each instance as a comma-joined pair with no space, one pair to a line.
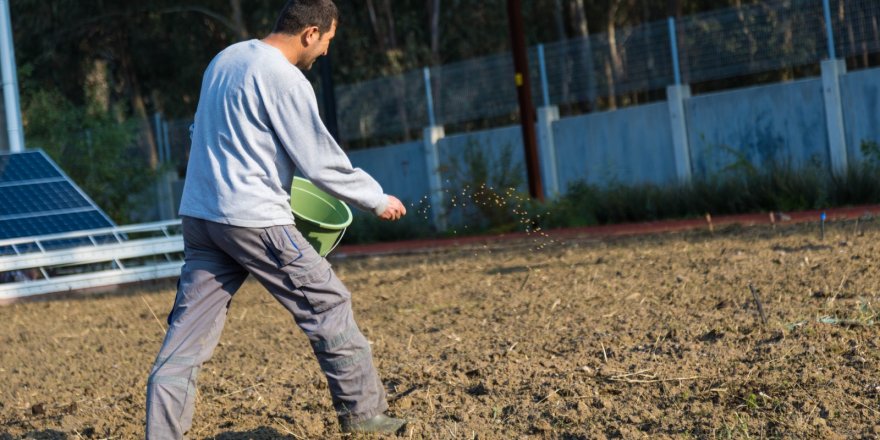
338,240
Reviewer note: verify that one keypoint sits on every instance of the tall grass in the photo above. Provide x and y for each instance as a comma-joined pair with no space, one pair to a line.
773,189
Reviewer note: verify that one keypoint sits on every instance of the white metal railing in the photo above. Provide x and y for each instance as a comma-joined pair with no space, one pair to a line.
164,227
89,259
94,254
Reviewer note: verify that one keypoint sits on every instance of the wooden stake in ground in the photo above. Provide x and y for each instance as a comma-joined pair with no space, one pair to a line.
709,221
758,302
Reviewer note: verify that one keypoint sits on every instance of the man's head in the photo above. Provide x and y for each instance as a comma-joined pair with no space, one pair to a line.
312,23
297,15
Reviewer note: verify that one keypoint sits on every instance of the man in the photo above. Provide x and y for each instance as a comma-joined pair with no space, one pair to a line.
257,121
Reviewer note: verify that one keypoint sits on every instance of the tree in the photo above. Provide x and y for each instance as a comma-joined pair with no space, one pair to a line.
92,148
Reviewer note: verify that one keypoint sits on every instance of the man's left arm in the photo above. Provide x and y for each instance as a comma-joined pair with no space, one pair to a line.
316,154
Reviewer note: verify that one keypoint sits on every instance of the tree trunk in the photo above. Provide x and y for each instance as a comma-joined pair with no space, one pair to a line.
395,57
650,57
238,19
384,31
753,43
866,51
788,48
560,20
579,18
387,42
146,140
97,87
876,27
676,10
392,32
615,64
842,15
434,26
581,28
377,29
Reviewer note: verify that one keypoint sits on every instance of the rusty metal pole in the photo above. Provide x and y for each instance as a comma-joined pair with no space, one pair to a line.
524,92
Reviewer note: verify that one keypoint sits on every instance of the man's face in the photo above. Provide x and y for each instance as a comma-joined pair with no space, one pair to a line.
319,44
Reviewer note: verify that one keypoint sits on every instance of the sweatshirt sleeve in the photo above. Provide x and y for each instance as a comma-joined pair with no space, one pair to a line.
298,125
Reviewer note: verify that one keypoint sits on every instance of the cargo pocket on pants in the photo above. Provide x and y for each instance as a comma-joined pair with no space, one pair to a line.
322,290
280,245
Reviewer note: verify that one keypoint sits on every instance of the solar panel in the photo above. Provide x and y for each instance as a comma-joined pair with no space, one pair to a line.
37,198
28,199
32,165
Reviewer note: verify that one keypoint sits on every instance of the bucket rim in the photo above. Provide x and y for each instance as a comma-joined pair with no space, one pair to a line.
333,226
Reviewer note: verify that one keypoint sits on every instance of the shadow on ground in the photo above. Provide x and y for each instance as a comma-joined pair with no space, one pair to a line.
261,433
48,434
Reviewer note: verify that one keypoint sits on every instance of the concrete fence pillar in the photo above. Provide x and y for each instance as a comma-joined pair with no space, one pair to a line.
831,73
676,95
431,137
547,150
165,195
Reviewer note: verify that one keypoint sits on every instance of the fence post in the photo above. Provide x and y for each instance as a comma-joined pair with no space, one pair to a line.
675,96
831,71
829,29
673,40
429,97
545,89
547,115
431,138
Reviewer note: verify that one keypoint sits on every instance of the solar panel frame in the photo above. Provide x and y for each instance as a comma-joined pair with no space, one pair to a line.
51,224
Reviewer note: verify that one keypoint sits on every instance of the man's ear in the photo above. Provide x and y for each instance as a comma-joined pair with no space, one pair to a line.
310,35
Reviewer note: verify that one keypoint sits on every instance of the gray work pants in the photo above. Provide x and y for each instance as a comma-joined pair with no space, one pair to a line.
218,258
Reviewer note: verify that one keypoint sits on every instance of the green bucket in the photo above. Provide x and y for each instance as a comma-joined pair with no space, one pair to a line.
320,217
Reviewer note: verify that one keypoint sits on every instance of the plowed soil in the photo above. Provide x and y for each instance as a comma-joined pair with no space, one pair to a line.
640,337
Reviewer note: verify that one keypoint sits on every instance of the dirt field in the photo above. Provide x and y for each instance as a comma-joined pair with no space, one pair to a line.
640,337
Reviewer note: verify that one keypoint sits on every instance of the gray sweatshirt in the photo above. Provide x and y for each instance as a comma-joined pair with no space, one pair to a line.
257,121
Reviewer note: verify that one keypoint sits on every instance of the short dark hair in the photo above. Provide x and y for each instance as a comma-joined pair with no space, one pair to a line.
300,14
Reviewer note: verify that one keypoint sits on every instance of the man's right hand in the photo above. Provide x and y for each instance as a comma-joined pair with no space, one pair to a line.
394,211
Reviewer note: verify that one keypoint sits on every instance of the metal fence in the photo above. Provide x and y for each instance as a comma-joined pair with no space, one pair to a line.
726,43
752,39
382,106
856,26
